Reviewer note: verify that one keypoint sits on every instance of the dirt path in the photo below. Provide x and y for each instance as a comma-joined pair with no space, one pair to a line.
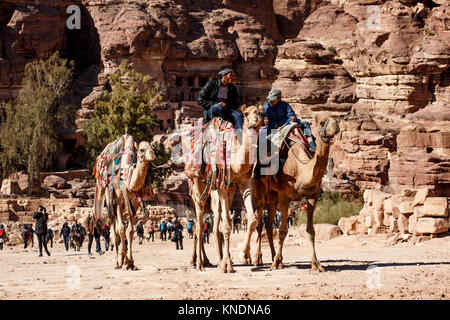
402,271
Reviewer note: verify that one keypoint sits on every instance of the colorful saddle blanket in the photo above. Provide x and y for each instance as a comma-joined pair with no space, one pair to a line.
119,157
210,152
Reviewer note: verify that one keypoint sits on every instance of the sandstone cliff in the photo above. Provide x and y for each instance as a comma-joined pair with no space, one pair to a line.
383,66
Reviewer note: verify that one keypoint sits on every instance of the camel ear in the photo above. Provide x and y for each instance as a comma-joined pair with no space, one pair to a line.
243,108
136,145
261,109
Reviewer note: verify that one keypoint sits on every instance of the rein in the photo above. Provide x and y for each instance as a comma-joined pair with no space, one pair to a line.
325,136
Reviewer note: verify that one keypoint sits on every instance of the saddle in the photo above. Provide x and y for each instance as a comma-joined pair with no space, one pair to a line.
210,153
280,143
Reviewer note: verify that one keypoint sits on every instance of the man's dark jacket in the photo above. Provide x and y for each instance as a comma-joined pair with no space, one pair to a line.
208,96
41,222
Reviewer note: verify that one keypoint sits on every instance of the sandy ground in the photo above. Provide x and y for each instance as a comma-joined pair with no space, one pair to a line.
358,267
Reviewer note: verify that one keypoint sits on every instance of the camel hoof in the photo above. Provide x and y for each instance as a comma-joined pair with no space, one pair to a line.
244,258
277,264
316,266
226,265
118,267
258,260
200,266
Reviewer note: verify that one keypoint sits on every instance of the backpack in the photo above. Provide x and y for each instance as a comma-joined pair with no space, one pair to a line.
189,225
2,232
205,226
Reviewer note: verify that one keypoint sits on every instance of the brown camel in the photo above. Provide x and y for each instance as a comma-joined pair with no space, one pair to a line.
241,171
242,163
299,178
125,204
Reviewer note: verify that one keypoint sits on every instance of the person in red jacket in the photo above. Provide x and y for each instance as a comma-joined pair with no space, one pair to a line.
2,236
151,232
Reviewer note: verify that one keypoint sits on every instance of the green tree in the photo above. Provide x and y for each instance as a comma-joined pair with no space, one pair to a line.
27,136
127,107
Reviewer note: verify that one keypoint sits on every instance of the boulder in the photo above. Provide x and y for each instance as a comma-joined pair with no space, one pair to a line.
393,224
412,221
433,207
386,220
323,231
402,223
377,230
361,227
348,225
406,208
56,182
378,217
421,195
10,187
432,225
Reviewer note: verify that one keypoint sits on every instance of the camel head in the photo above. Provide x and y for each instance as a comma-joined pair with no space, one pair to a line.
145,152
328,127
253,115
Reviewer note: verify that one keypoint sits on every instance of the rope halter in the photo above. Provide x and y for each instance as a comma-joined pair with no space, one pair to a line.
325,138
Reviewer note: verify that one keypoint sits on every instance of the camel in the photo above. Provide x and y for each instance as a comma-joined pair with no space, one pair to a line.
221,198
299,178
125,204
240,175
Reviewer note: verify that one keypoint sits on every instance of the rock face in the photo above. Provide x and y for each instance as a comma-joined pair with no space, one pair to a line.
382,66
387,72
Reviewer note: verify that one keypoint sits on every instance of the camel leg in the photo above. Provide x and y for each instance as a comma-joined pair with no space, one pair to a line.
115,237
120,231
253,219
130,233
194,253
246,192
269,226
315,264
215,206
226,265
283,230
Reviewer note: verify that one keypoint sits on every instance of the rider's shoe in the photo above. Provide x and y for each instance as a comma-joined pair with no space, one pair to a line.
312,147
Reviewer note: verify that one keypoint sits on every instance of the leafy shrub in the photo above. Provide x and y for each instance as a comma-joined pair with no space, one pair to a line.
330,208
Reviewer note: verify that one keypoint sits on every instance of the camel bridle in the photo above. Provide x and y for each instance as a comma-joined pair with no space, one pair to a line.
325,138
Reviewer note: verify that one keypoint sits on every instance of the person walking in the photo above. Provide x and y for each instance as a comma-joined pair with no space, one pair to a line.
41,217
163,229
190,229
31,231
151,232
2,236
140,231
236,221
178,235
25,236
170,229
49,237
65,232
92,229
206,231
106,237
